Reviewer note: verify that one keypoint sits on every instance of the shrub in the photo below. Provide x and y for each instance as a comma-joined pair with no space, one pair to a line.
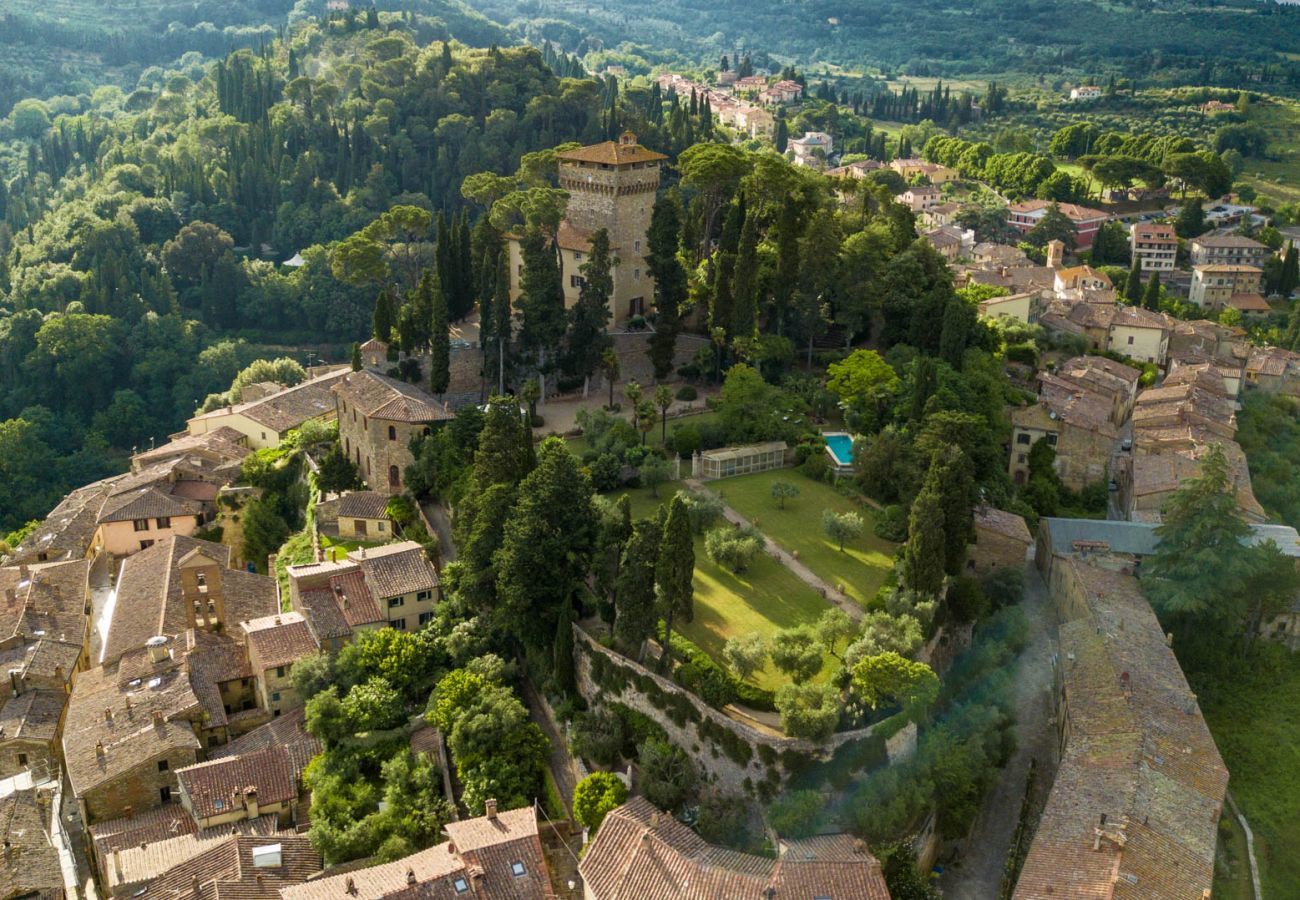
595,796
667,775
796,814
687,393
891,525
702,509
606,472
966,600
599,736
808,711
734,548
684,440
724,819
1004,587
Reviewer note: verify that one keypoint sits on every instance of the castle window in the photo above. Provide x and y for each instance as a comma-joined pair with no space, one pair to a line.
636,274
394,477
392,432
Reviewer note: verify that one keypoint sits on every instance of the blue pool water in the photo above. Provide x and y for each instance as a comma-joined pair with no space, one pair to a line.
841,448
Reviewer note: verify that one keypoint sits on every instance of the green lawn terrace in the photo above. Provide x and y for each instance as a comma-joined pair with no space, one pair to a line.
767,596
859,570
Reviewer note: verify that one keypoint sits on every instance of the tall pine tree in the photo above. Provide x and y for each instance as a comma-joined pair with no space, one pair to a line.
674,574
440,340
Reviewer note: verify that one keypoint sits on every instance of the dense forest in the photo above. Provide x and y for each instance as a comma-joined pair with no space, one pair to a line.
1187,41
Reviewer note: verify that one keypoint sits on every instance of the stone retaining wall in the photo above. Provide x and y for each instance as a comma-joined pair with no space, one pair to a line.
731,754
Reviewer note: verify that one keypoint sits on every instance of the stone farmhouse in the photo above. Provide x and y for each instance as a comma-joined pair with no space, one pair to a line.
378,416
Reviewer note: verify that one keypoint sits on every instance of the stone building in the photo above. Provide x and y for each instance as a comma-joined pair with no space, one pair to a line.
378,416
1002,540
275,643
1077,427
611,186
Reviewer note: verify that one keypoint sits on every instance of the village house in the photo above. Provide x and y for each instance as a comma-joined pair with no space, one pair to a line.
1154,245
944,242
912,168
498,854
1228,250
1078,427
213,802
1202,340
944,214
612,186
641,852
857,170
782,92
1021,307
357,516
1230,376
1087,222
1081,279
1085,92
1098,374
178,584
813,149
1272,370
1218,285
750,84
44,645
1213,107
219,451
229,865
1002,540
391,586
1130,733
920,197
378,416
754,121
264,422
988,253
1140,334
275,643
30,868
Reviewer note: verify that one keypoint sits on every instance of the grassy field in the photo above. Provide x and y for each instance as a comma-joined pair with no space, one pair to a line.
862,566
1232,869
765,598
1255,720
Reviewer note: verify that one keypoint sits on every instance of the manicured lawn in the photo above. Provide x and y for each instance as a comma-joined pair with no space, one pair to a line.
862,566
1255,719
765,598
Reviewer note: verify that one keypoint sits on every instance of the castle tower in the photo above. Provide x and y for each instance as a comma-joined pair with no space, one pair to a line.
611,185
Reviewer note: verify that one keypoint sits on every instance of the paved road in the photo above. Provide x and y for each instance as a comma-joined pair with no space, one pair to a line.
978,874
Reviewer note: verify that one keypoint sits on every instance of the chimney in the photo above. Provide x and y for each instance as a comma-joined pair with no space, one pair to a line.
99,749
11,596
197,886
13,682
410,876
108,714
351,885
1055,253
157,718
24,573
157,646
490,808
250,802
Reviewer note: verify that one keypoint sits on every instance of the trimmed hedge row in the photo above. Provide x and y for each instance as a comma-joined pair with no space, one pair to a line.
712,683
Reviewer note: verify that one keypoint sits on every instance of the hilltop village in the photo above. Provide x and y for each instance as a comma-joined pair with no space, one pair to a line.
694,505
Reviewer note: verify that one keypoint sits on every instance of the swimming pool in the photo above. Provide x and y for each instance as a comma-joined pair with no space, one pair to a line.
840,446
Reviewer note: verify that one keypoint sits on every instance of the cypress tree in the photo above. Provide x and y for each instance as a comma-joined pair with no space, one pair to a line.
634,587
440,340
1290,277
1133,284
356,357
562,652
383,318
1151,297
541,300
924,552
744,287
586,340
669,277
675,573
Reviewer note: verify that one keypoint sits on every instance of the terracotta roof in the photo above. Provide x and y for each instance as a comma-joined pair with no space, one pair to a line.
31,716
1228,240
613,153
571,237
146,503
290,407
67,531
395,569
216,787
150,599
481,851
278,640
374,344
224,442
1271,361
363,505
1135,805
48,602
1138,317
323,614
105,738
227,870
1153,231
211,660
1072,211
381,397
1249,303
640,852
29,867
1003,523
1228,268
287,732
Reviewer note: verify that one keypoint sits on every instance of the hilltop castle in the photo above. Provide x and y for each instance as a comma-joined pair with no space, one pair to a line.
611,185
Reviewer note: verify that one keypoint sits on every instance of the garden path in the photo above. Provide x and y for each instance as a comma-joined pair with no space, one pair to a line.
802,572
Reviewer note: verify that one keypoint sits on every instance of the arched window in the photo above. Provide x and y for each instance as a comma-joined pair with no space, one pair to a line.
392,432
394,477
